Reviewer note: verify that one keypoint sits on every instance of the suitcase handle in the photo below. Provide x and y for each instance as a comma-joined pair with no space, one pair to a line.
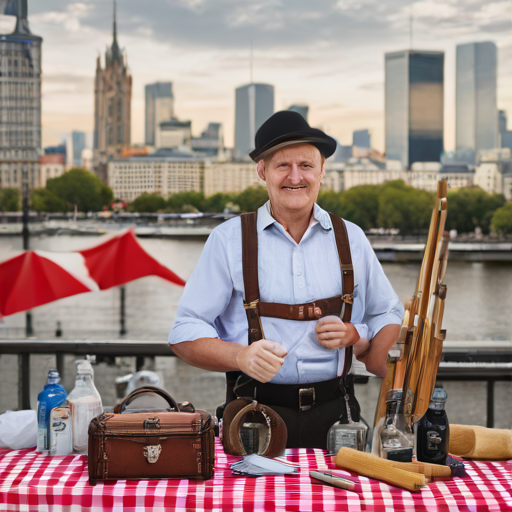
120,407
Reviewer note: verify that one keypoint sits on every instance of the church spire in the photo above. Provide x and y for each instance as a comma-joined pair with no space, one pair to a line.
115,26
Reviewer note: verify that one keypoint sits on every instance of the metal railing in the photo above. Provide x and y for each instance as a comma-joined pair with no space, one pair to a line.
488,361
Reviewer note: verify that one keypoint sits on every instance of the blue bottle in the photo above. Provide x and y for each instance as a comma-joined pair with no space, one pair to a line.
52,395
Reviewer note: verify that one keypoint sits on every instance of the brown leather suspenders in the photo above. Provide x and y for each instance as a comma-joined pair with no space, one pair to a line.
254,308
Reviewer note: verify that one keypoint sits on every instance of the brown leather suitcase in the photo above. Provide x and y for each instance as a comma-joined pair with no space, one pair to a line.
174,443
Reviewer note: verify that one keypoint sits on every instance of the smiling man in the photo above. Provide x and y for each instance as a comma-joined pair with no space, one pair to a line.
280,299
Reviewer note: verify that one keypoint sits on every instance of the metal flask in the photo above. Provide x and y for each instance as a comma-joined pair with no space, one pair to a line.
353,434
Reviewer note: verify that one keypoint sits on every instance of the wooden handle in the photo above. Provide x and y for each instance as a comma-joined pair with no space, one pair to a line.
374,467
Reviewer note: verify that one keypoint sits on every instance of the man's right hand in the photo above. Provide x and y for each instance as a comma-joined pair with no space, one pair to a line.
261,360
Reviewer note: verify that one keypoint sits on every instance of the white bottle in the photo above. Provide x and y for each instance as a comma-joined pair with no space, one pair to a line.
85,403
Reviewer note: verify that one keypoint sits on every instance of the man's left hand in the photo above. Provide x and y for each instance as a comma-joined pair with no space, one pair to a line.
333,334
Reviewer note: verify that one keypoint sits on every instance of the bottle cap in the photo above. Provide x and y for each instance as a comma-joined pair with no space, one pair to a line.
394,395
439,397
53,376
83,367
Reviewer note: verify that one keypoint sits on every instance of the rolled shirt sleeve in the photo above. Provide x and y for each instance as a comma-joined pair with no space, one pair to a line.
206,295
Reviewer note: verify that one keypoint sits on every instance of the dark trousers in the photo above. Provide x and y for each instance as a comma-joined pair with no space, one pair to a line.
306,428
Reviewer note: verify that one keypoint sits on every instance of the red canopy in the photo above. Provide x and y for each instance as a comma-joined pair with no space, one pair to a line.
33,279
122,259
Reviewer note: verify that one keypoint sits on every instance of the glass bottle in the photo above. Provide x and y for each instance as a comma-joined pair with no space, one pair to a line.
396,439
433,431
85,404
353,434
53,395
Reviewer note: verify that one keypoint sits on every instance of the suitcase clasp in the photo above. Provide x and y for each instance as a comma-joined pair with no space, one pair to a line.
152,453
152,424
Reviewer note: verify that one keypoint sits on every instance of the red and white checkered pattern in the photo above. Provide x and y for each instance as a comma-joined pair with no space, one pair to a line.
32,482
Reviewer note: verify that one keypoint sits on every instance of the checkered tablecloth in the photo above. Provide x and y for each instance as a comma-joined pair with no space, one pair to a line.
32,482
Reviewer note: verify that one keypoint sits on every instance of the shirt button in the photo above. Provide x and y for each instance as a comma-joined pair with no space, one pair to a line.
301,285
299,273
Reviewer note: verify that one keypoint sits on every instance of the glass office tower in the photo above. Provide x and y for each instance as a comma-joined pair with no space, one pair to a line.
476,122
254,104
414,102
159,108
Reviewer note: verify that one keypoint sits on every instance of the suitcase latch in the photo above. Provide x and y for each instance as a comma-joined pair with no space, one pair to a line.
152,453
152,424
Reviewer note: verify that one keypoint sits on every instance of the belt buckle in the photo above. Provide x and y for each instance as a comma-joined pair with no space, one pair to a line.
306,398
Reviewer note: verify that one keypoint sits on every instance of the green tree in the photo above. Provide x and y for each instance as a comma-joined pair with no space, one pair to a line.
502,219
217,202
330,201
405,208
9,199
251,198
186,202
44,200
471,207
147,203
81,187
361,205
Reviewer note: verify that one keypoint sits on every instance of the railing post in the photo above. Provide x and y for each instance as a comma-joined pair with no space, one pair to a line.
59,361
490,403
24,381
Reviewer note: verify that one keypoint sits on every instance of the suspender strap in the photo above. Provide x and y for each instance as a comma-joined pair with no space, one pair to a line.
347,278
309,311
250,272
347,271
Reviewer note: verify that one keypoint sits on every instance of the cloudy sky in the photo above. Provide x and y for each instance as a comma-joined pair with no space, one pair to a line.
326,53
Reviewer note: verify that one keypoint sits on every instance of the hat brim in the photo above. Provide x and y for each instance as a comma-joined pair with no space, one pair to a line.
325,144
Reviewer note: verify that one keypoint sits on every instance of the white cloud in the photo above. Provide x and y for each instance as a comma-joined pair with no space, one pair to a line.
68,19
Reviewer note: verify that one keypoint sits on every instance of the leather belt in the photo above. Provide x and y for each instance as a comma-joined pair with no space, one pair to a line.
310,311
295,396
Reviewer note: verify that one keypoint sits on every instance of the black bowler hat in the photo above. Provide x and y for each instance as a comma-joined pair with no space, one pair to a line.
288,127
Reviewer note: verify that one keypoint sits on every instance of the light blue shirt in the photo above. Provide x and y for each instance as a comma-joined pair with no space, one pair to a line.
290,273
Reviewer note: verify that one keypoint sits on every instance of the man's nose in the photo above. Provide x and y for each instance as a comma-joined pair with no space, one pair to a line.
295,175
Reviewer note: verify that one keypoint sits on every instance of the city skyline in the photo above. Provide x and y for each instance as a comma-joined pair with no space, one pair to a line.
330,57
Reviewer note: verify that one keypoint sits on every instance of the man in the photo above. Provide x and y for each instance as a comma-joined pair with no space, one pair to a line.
298,368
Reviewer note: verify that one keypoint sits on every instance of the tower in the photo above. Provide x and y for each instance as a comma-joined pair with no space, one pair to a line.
20,98
112,106
159,108
254,104
476,112
414,104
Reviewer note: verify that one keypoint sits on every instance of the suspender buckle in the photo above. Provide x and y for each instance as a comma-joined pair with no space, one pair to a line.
348,298
251,305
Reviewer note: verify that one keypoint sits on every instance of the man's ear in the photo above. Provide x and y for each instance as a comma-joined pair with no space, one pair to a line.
260,169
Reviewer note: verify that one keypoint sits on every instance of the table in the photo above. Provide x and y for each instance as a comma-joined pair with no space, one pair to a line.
32,482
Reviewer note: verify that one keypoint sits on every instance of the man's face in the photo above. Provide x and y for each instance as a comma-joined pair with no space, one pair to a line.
293,178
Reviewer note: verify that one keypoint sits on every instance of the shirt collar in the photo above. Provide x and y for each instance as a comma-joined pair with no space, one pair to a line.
265,219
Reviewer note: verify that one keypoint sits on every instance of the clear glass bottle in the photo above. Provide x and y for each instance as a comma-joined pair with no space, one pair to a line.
433,431
53,395
85,404
396,439
353,434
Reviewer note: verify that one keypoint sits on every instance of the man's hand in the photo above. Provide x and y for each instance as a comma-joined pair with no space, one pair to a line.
261,360
332,333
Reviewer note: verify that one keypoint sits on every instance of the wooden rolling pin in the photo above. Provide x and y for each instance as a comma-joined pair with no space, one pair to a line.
372,466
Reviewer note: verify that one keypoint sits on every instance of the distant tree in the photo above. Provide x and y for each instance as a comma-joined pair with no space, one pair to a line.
147,203
405,208
9,199
44,200
471,207
361,205
186,202
217,202
330,201
251,198
81,187
502,220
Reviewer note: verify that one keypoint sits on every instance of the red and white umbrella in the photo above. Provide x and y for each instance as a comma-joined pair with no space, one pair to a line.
122,259
34,278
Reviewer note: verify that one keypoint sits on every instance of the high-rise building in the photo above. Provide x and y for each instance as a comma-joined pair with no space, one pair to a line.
112,106
78,145
211,141
414,106
20,97
254,104
159,108
361,138
301,109
476,125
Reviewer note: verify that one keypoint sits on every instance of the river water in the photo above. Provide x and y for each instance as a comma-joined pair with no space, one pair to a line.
478,307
